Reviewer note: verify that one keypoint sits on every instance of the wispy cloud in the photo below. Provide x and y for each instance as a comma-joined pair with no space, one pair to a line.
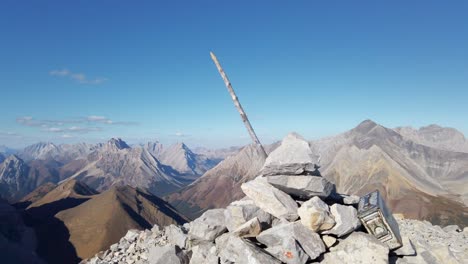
78,77
81,125
180,134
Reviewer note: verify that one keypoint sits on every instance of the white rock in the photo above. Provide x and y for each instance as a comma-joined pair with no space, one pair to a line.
176,236
241,251
208,226
407,249
280,234
131,235
302,186
204,253
315,215
346,220
329,241
292,157
167,254
250,228
358,248
289,252
239,212
270,199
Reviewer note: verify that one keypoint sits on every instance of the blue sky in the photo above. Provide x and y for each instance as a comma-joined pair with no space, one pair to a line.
90,70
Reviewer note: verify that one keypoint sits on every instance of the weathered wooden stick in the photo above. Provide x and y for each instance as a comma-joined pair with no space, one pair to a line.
243,115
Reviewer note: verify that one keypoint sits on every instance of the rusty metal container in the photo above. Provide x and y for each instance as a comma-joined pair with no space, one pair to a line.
378,220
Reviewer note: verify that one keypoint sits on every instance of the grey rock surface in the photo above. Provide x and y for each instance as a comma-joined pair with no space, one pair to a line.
239,212
281,234
315,215
302,186
167,254
289,252
270,199
176,236
346,220
241,251
358,248
407,249
204,253
250,228
292,157
208,226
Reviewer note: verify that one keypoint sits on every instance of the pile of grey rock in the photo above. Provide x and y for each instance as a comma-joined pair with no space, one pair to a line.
290,215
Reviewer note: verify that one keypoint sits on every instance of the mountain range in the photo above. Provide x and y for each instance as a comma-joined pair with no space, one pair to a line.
419,175
161,170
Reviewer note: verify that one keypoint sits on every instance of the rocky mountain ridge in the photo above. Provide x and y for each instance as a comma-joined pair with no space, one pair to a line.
292,215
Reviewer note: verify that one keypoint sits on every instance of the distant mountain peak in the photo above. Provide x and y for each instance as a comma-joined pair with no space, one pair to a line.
13,158
366,126
117,143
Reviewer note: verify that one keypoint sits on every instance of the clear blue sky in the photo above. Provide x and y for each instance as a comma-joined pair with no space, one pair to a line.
89,70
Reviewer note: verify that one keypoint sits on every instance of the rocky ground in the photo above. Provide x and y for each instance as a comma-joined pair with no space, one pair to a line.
290,215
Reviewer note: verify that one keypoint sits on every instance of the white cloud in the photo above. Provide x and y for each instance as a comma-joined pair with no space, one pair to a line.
67,136
79,77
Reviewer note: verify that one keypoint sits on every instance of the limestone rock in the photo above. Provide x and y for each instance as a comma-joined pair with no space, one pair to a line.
239,212
167,254
250,228
452,228
306,238
407,249
208,226
270,199
241,251
176,236
204,253
292,157
289,252
346,220
358,248
315,215
131,235
329,241
302,186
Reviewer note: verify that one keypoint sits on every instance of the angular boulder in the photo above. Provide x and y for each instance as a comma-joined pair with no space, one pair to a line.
315,215
280,235
167,254
175,235
358,248
270,199
292,157
302,186
346,220
204,253
241,251
239,212
289,252
250,228
208,226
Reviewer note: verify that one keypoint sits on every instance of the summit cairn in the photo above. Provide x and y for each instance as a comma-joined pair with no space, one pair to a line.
290,215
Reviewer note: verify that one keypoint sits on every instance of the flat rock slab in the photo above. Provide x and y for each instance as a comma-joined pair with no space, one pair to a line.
289,252
315,215
239,212
302,186
241,251
167,254
270,199
175,235
346,220
358,248
208,226
204,253
407,249
292,157
250,228
280,235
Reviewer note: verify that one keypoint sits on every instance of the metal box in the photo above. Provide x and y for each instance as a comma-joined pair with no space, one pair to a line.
378,220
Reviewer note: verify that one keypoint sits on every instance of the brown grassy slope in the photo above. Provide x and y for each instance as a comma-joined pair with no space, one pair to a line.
68,189
98,223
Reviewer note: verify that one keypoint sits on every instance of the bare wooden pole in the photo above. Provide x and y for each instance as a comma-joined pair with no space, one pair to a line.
242,113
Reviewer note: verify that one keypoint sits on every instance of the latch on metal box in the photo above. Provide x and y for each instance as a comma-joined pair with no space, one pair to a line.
378,220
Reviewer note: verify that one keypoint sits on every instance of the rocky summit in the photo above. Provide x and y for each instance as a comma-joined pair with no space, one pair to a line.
295,218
